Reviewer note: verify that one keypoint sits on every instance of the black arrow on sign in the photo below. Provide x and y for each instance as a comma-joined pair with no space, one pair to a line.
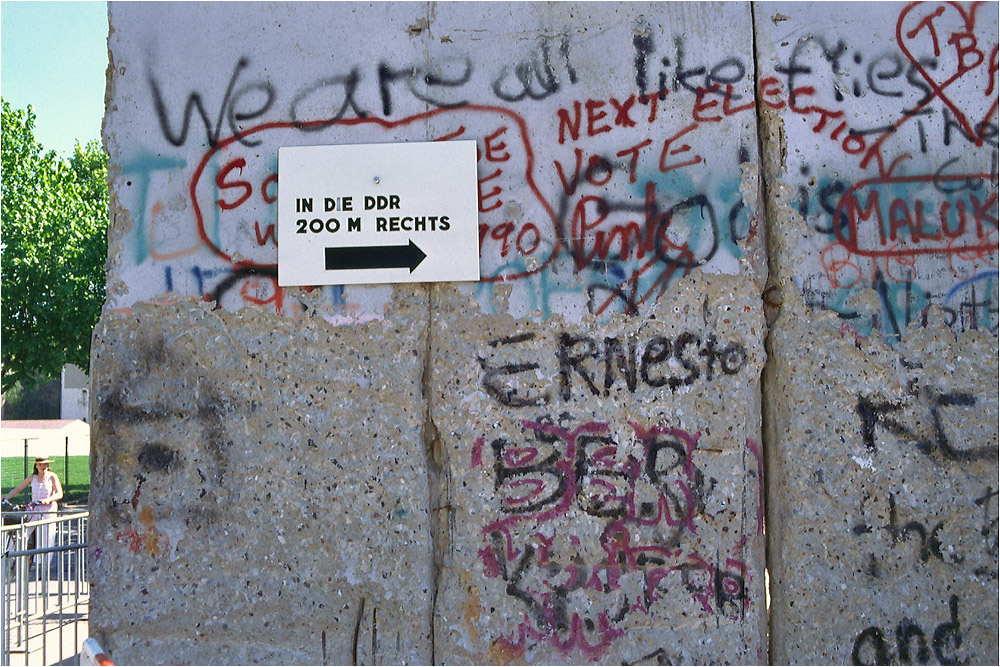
375,257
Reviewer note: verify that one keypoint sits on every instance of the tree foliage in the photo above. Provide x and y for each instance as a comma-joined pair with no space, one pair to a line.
53,244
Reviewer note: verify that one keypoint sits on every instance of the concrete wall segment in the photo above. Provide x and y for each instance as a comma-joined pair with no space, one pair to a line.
880,387
890,156
607,523
222,496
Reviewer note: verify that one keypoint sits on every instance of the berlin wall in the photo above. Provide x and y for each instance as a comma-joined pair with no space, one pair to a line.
719,244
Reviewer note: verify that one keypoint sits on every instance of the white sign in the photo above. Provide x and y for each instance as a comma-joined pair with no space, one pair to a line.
378,213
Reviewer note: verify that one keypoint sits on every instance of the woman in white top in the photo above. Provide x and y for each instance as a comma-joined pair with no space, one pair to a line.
46,491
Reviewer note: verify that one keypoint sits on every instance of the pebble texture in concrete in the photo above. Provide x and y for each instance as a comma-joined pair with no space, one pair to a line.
243,520
563,462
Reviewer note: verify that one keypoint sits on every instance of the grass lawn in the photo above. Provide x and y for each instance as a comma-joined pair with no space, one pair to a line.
75,479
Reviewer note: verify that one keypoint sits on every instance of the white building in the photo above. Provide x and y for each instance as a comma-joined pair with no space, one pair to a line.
74,401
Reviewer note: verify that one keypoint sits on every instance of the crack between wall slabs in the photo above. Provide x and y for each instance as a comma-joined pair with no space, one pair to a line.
439,514
767,152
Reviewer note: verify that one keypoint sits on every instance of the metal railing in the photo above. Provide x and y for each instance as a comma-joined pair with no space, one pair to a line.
45,594
70,460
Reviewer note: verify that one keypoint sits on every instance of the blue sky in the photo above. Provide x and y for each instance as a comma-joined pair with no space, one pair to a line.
53,56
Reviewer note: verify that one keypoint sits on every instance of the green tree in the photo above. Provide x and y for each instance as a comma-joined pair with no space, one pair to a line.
53,244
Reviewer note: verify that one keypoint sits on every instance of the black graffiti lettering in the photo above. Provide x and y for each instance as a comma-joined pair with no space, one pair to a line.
535,606
386,76
718,73
194,102
928,541
600,365
682,342
951,124
915,79
878,651
989,530
733,358
681,75
235,277
659,655
875,413
494,376
730,593
617,359
871,646
534,77
989,132
793,69
677,75
833,55
946,186
347,82
711,355
829,197
594,498
421,81
237,117
948,637
436,79
726,588
570,361
517,466
643,45
663,244
666,455
658,350
896,62
943,400
505,394
734,214
906,632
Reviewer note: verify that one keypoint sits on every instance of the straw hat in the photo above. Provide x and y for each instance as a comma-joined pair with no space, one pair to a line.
42,459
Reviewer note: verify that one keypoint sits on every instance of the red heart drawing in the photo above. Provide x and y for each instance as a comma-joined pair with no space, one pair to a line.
930,29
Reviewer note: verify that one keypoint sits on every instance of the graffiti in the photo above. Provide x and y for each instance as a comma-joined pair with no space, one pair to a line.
150,541
921,64
542,479
913,248
916,532
909,208
535,77
989,532
676,76
873,647
541,71
927,435
589,366
921,25
632,211
644,504
942,229
624,253
233,194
